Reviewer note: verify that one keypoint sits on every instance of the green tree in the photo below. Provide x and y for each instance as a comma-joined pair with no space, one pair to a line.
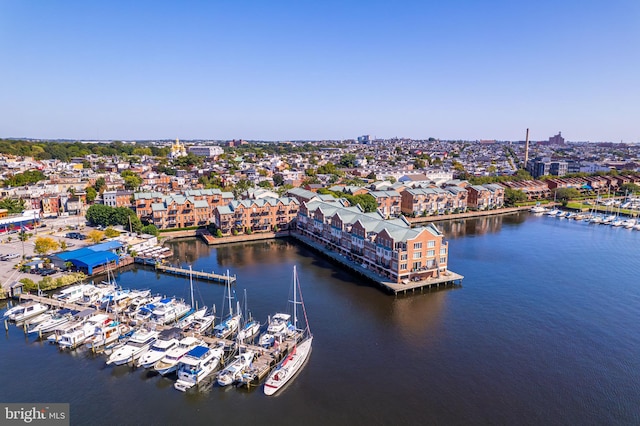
95,236
110,232
629,188
278,179
100,184
150,230
513,196
91,194
99,214
241,187
566,194
348,160
265,184
13,205
132,182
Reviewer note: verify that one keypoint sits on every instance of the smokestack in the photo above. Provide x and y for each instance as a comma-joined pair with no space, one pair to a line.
526,150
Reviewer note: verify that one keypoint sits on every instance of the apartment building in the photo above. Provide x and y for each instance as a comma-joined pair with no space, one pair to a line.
117,198
533,189
389,202
390,248
484,197
259,215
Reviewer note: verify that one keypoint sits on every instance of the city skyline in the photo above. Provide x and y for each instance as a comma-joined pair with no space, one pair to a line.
329,71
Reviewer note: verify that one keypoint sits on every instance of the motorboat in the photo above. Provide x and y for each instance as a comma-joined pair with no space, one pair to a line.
27,310
71,294
169,363
168,310
106,334
60,317
139,342
167,340
196,365
186,322
78,336
233,372
279,326
77,322
201,325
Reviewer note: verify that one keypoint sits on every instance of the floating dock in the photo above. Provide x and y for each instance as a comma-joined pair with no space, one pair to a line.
201,275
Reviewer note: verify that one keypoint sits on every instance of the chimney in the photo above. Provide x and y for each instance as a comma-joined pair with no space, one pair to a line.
526,150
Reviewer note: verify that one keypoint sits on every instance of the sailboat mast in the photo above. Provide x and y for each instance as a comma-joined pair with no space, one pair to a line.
229,293
191,284
295,302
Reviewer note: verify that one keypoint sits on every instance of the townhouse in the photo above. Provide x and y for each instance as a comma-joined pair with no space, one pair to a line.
390,248
256,215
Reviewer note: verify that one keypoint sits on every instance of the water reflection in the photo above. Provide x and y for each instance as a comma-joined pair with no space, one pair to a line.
481,225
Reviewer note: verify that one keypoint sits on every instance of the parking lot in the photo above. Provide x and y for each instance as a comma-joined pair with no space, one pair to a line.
55,228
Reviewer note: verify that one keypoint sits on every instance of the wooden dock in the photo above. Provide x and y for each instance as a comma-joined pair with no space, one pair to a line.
201,275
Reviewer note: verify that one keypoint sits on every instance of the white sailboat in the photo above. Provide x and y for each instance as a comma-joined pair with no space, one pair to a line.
233,372
251,327
295,360
231,323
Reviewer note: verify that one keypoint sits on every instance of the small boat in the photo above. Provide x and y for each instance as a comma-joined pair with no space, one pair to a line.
250,327
139,342
279,327
233,372
169,363
27,310
71,294
76,323
295,360
106,334
201,325
167,340
186,322
538,209
196,365
231,323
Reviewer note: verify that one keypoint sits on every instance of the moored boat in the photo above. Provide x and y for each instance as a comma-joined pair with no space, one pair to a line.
196,365
138,343
233,372
169,363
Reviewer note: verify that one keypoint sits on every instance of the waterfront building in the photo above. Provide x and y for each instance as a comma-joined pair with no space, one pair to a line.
390,248
533,189
485,197
389,202
259,215
431,201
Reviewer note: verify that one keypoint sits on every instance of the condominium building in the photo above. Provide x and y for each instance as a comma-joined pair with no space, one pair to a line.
259,215
390,248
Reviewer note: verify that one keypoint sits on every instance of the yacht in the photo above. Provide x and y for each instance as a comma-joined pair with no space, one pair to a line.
106,334
60,317
201,325
168,310
77,322
167,340
76,337
279,327
138,344
27,310
71,294
196,365
233,372
169,363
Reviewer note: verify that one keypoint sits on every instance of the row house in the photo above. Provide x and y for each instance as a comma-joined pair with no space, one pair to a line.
484,197
533,189
50,205
117,198
178,211
390,248
260,215
577,183
432,201
389,202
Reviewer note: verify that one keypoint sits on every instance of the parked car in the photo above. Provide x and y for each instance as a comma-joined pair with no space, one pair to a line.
45,272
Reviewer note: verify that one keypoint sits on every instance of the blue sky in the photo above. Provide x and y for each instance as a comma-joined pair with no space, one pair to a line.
289,70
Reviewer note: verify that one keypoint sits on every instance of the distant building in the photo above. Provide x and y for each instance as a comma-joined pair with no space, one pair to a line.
177,150
365,139
557,139
543,166
205,151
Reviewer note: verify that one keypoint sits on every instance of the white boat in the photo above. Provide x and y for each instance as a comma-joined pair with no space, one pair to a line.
169,363
33,321
295,360
115,300
196,365
231,323
250,326
277,329
60,317
78,336
138,343
27,310
168,310
186,322
71,294
107,334
10,311
538,209
167,340
233,372
201,324
92,294
76,323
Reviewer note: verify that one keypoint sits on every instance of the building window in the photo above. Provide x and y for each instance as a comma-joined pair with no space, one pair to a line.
417,246
431,243
417,254
403,266
443,260
417,265
404,256
431,253
443,251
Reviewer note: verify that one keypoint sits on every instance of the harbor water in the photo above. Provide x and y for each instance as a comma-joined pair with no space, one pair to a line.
543,330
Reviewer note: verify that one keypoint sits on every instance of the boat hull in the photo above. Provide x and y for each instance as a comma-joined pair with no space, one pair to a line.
289,368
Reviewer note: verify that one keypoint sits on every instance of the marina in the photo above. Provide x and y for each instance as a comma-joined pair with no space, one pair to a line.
516,341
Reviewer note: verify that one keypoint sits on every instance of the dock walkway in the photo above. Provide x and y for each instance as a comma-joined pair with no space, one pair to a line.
208,276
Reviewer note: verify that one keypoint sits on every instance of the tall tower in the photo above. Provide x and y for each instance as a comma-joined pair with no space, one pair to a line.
526,150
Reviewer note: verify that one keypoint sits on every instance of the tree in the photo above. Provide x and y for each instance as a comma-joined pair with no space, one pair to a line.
265,184
44,245
132,182
241,187
91,194
513,196
100,184
348,160
278,179
150,230
629,188
13,205
566,194
99,214
110,232
96,236
63,245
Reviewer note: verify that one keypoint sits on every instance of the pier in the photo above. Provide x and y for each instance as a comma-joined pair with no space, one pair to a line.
201,275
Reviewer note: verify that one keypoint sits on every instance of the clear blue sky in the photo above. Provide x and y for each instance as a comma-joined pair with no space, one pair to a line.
282,70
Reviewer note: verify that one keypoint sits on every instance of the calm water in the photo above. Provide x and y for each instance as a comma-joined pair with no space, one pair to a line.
544,330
